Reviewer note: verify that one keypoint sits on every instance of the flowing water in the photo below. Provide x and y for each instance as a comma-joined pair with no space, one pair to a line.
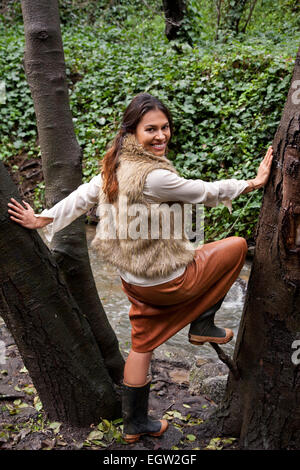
117,307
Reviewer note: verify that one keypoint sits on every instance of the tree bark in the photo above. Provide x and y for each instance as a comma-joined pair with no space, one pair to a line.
263,406
174,13
61,159
53,336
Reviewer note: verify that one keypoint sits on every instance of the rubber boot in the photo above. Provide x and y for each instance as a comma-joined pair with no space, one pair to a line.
135,414
203,329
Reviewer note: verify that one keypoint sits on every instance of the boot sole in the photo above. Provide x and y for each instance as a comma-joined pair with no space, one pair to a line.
131,438
199,340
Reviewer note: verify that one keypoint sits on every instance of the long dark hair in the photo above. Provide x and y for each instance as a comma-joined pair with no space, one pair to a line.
139,106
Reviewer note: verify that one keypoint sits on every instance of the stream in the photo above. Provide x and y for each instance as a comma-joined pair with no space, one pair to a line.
117,306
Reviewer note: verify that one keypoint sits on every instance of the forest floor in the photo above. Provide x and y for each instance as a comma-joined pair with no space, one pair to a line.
24,424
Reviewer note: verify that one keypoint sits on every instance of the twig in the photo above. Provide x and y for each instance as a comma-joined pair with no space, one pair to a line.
218,5
240,214
249,16
227,360
173,403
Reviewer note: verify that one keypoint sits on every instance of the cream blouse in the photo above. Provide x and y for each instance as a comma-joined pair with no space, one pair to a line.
160,186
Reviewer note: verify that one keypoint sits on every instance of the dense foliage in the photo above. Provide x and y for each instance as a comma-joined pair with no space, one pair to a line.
226,97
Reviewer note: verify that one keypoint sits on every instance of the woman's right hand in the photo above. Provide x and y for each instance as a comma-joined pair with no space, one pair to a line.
22,215
25,215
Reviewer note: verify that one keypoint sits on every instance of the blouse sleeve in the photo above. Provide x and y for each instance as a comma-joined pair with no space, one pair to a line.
165,185
70,208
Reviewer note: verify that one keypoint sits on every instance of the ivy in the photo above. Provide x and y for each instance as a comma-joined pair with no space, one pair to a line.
226,99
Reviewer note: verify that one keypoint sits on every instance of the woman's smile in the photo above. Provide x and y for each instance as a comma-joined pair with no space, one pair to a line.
159,146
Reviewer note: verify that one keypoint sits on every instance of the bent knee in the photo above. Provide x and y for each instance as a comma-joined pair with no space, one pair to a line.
241,242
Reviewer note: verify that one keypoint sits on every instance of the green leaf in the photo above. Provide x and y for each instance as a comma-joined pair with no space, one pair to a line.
95,435
55,426
37,403
191,437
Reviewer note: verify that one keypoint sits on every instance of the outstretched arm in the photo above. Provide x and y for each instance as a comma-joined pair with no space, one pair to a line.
61,214
163,185
25,215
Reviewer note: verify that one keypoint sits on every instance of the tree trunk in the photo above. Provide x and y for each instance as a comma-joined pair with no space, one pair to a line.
174,13
61,160
53,337
263,407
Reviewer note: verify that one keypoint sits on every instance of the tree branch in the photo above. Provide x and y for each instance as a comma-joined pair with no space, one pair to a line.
227,360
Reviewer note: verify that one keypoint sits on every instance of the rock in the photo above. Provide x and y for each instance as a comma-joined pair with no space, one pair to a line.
172,355
7,392
251,252
214,387
170,438
209,379
200,362
25,414
157,386
179,376
32,441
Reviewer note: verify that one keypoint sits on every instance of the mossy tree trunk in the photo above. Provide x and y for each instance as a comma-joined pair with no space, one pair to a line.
61,159
263,406
53,336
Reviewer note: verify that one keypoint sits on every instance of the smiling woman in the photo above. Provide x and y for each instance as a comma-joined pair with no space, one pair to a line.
168,281
151,122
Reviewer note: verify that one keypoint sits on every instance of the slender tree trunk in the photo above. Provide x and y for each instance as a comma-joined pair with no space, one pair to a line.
174,13
233,14
61,160
263,407
218,4
53,337
249,16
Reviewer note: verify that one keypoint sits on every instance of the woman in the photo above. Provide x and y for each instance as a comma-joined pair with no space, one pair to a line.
168,282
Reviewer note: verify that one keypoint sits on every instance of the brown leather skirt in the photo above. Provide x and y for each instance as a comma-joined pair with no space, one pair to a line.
158,312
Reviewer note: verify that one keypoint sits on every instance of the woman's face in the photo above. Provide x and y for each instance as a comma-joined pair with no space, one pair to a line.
153,132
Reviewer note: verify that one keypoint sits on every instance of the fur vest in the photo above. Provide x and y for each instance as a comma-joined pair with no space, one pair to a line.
133,234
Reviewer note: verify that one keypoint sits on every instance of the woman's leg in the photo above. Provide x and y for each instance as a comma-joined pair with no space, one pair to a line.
136,390
136,368
231,258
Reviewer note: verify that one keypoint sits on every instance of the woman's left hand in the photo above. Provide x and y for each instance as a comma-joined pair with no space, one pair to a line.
264,168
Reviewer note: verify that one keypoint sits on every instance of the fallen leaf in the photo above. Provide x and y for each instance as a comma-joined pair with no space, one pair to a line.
55,426
98,435
48,444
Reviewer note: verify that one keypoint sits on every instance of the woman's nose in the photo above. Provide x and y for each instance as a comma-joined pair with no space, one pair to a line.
160,135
